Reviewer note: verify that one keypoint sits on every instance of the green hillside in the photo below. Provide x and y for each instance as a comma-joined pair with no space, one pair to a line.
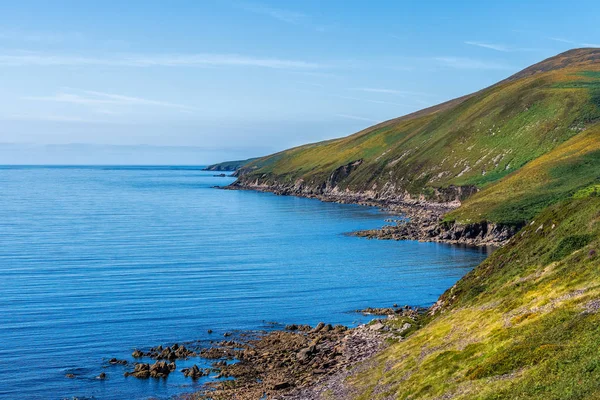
473,143
525,324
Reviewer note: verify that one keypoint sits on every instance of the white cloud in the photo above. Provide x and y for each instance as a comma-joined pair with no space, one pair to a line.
469,63
25,58
95,98
390,91
499,47
492,46
47,117
357,118
41,37
285,15
290,17
370,100
562,40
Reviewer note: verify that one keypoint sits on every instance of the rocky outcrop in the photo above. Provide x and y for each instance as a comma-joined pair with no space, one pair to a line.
341,173
170,353
433,229
160,369
280,363
195,372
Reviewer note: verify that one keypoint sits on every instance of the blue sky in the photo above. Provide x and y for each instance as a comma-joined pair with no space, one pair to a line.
194,82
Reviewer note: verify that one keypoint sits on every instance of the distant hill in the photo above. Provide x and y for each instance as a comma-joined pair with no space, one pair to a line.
229,165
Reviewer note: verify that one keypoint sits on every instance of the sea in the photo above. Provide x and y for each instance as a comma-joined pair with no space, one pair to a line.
96,261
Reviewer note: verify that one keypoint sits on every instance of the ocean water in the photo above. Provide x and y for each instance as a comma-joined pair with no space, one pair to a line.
96,261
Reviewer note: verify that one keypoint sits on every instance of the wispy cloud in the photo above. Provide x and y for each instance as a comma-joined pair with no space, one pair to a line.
574,43
95,98
499,47
369,100
46,117
492,46
403,93
40,37
338,96
25,58
284,15
469,63
288,16
356,117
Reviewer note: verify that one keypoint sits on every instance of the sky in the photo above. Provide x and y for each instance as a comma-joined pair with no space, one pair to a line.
197,82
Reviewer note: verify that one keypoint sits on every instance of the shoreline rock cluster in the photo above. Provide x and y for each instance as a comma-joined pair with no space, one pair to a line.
277,364
430,227
285,363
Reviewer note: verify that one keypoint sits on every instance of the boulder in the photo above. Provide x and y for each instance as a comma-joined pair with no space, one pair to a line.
137,354
141,370
377,326
194,372
318,328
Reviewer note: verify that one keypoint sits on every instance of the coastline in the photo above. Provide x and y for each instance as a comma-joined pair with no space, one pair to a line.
421,220
303,362
300,362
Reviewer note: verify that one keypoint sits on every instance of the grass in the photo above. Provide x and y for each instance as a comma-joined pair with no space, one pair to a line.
570,170
515,327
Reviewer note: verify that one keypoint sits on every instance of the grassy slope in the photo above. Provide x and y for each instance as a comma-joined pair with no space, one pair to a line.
559,174
477,140
514,328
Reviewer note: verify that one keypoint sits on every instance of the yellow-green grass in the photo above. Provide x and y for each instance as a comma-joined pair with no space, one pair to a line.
571,169
519,326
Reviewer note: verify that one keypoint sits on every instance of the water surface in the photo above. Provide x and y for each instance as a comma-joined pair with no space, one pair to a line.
95,261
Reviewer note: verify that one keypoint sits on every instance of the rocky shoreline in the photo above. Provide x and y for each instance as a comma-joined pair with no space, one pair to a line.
295,362
419,219
290,363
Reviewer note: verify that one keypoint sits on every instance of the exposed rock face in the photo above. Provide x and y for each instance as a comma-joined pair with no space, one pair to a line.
434,230
335,188
339,174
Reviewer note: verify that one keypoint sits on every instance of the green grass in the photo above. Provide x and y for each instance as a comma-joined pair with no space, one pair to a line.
513,328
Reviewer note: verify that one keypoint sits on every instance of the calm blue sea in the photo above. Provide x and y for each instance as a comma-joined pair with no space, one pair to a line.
95,261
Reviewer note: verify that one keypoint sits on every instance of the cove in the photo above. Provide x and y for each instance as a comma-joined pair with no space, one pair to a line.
96,261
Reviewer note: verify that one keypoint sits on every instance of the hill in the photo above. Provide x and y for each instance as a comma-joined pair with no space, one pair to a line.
229,165
470,150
